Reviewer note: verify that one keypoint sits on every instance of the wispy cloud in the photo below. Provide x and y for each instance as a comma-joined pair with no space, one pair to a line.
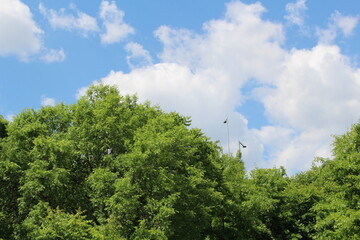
137,56
345,23
53,55
338,23
74,20
296,12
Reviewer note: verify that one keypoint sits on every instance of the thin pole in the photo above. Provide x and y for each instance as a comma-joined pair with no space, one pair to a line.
227,124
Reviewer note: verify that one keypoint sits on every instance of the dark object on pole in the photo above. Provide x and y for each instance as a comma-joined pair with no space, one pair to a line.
241,145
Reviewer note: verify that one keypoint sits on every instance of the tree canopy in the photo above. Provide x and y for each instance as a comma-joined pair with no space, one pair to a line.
109,167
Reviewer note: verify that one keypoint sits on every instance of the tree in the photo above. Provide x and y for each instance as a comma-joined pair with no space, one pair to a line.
3,124
338,212
171,176
301,195
264,203
108,167
131,169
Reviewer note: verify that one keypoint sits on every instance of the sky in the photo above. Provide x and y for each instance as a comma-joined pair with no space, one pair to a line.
285,74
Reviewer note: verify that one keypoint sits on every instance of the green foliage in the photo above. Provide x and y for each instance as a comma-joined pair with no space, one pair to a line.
338,212
264,203
44,223
3,124
9,174
108,167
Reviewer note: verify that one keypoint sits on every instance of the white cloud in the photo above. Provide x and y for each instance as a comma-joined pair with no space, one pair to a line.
274,137
345,23
326,36
317,94
19,34
295,12
297,154
46,101
320,85
337,22
116,29
240,43
308,94
137,55
82,91
53,55
77,21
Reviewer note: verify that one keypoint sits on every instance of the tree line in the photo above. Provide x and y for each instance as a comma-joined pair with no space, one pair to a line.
109,167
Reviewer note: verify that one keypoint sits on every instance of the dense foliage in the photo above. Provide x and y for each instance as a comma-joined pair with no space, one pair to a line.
108,167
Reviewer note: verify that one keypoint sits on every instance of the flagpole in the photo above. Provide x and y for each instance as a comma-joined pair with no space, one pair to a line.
227,126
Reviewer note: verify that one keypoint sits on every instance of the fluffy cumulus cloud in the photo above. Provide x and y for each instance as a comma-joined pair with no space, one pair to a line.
320,85
75,20
316,95
307,94
240,42
116,29
19,34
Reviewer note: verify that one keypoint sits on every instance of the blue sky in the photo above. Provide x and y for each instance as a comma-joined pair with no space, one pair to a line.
285,73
